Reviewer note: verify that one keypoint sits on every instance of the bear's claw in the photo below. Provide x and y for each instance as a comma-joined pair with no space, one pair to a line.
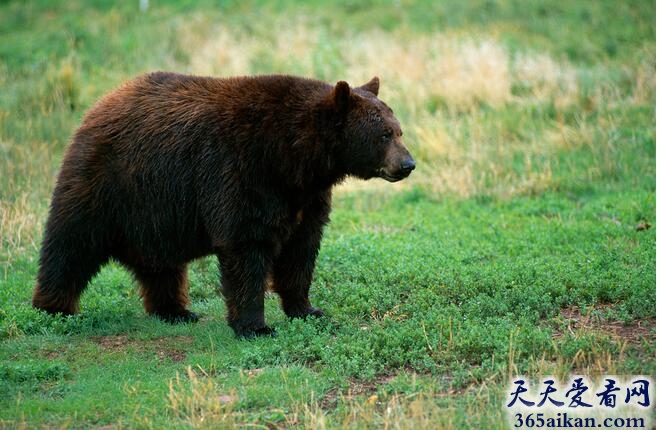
304,313
250,333
315,312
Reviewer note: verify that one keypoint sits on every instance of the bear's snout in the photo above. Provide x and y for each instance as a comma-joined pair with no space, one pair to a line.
407,166
404,169
398,163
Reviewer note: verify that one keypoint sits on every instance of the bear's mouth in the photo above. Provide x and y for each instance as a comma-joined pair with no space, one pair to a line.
390,177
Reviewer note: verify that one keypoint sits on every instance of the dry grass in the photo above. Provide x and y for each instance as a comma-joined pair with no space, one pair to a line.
545,80
397,412
197,400
438,83
644,79
460,72
19,227
31,139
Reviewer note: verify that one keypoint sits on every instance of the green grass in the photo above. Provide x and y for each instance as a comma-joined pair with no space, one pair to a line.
515,248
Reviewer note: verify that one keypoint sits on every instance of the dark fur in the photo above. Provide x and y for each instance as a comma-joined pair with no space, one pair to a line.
169,168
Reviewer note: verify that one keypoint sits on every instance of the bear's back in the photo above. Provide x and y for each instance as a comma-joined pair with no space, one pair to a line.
164,110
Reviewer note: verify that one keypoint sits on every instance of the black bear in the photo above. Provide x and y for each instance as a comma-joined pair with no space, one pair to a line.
169,168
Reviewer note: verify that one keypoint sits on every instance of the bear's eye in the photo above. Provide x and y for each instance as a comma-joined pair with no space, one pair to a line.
387,135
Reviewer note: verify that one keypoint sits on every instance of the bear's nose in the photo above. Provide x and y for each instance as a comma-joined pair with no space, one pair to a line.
407,166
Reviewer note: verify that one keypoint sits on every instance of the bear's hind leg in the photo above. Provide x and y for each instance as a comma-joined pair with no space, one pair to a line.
165,294
64,272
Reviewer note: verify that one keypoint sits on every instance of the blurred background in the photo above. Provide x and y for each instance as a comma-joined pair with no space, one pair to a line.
495,97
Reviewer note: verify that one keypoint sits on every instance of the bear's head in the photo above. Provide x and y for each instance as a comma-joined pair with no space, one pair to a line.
370,143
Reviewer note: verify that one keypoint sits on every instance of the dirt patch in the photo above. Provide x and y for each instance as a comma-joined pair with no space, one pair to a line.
365,392
51,355
635,333
113,343
356,388
172,348
174,355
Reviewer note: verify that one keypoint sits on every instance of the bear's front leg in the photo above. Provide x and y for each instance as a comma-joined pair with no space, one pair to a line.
243,282
294,266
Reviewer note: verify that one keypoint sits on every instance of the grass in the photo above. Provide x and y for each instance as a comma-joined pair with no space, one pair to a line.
523,244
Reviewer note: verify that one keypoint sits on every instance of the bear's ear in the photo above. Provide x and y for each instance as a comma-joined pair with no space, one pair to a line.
372,86
341,94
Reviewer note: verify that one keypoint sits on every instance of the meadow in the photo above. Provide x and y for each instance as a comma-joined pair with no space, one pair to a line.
523,244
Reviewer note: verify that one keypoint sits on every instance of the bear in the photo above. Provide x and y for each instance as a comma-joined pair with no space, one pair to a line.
169,168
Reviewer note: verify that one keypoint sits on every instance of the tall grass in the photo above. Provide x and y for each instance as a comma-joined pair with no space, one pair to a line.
480,117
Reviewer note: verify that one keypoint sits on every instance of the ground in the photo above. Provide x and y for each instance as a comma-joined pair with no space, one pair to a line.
523,244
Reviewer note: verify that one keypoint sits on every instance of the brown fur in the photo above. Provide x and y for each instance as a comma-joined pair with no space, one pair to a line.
168,168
